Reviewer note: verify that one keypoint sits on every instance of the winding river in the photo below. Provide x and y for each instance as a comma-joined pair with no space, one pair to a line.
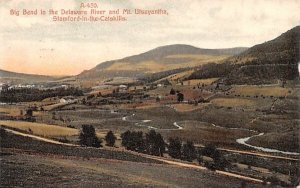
242,141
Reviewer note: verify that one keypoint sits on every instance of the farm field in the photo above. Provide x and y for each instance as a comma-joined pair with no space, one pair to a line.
41,128
274,91
194,82
234,102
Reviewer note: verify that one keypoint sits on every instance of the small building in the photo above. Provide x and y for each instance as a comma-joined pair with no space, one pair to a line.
123,88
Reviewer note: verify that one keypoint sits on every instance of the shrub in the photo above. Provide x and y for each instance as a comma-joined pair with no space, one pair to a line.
172,92
110,139
180,97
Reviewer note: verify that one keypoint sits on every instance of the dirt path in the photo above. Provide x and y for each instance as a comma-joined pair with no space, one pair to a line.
38,138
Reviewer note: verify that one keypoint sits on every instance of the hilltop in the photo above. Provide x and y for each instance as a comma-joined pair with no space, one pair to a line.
157,60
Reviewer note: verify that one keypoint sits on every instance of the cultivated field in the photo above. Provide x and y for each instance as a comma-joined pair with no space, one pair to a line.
41,129
234,102
275,91
200,81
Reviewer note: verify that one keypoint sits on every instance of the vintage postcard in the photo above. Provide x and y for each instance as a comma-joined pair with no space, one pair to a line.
156,93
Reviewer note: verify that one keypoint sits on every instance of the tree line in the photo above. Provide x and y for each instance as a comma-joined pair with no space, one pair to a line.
153,143
33,94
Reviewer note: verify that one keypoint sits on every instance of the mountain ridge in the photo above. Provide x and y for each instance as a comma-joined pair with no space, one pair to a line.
268,62
159,59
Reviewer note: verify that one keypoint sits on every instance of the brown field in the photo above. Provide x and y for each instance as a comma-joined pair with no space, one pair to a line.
233,102
9,110
41,129
200,81
143,105
177,76
275,91
54,106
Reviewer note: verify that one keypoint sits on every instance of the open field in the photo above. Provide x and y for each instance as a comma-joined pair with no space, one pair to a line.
41,129
233,102
275,91
194,82
10,110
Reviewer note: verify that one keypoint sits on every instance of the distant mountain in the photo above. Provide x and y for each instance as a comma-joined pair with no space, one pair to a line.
268,62
23,78
159,59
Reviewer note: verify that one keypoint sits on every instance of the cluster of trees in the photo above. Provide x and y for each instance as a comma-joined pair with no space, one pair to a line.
187,151
33,94
88,137
263,73
213,70
219,162
180,96
178,150
153,143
